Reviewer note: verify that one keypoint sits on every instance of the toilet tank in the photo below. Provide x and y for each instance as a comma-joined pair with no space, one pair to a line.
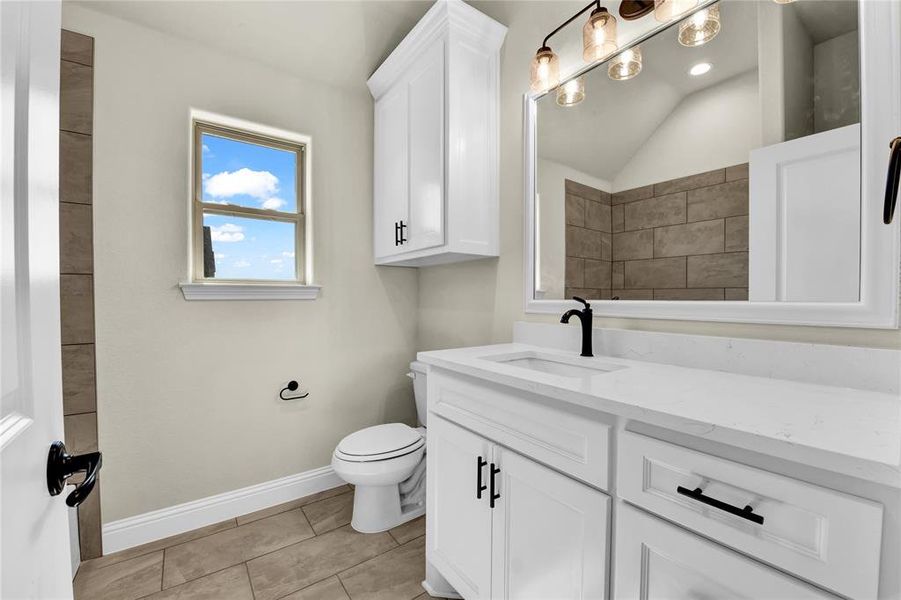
418,374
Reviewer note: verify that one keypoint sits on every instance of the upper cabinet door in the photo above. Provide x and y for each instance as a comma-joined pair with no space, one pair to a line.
656,560
550,534
391,170
459,521
426,142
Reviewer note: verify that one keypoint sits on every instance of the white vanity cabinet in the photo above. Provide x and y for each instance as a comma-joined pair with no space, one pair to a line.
503,526
436,128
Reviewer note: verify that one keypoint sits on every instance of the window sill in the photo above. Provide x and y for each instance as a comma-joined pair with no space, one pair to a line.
249,291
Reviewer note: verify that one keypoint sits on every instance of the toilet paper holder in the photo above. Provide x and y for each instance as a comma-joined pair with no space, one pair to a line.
291,387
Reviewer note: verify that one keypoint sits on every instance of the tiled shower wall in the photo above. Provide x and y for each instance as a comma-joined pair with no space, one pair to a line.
76,262
683,239
588,241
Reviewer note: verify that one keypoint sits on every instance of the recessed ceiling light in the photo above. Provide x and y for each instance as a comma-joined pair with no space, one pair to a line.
700,69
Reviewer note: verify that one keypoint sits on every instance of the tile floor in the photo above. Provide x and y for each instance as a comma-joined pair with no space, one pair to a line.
301,550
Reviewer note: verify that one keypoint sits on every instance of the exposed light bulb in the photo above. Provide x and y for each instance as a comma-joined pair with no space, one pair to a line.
625,65
572,92
701,27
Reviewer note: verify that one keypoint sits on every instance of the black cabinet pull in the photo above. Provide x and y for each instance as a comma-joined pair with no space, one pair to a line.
892,180
494,495
403,239
61,465
397,233
480,487
745,513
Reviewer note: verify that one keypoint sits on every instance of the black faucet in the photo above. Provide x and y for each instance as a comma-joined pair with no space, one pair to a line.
585,317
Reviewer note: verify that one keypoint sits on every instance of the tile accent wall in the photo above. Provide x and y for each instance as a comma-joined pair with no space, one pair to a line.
683,239
588,241
76,264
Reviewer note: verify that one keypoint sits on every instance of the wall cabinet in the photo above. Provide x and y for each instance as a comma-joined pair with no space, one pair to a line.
436,128
504,526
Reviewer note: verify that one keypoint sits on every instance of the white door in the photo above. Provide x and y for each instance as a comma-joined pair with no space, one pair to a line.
459,520
550,534
658,561
34,556
391,171
427,124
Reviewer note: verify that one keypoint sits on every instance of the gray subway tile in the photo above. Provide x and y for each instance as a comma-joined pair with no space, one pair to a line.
76,97
582,190
575,210
575,272
75,167
634,294
597,274
718,201
76,47
79,379
655,273
737,172
689,294
736,293
617,275
736,234
690,182
655,212
639,193
704,237
633,245
718,270
597,216
76,294
617,217
76,238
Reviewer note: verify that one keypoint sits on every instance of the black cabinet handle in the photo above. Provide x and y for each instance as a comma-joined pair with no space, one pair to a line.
494,495
403,239
397,233
892,180
745,513
480,487
61,465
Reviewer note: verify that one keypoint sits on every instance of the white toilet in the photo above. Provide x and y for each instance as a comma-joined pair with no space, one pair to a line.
386,463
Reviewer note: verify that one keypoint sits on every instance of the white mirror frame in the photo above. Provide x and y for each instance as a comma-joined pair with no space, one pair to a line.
880,269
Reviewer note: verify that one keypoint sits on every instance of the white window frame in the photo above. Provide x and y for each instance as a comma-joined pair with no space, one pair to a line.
196,287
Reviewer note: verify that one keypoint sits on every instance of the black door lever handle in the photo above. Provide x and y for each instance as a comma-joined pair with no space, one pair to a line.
61,465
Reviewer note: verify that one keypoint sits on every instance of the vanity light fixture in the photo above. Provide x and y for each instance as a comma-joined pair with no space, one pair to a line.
572,92
626,65
701,27
667,10
700,69
783,1
598,40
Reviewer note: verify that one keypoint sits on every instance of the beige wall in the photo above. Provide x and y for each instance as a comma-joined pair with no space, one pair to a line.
477,303
187,391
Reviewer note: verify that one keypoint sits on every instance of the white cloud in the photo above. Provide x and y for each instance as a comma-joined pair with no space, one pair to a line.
273,203
262,185
276,261
206,148
220,255
241,264
227,232
288,254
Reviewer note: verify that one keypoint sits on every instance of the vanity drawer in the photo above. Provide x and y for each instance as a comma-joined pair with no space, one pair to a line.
573,444
824,536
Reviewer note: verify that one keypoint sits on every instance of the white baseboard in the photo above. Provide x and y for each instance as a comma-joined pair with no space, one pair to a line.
159,524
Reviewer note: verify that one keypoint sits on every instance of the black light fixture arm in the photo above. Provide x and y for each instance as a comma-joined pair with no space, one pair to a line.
596,4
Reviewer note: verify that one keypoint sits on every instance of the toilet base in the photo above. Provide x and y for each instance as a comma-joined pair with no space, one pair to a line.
377,508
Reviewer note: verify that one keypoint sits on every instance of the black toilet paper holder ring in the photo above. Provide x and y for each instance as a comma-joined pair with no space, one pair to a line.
291,387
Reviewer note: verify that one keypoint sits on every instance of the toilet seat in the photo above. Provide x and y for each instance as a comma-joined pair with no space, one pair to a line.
380,442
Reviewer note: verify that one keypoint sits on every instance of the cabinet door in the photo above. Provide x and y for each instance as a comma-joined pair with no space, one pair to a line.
550,534
425,90
657,560
391,170
459,523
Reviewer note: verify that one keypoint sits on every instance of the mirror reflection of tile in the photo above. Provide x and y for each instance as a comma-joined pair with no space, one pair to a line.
682,239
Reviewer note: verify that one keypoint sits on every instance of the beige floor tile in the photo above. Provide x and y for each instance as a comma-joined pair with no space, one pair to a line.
395,575
229,584
181,538
409,530
295,567
330,589
209,554
280,508
331,513
126,580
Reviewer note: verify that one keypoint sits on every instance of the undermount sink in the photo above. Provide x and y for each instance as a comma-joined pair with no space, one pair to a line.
577,368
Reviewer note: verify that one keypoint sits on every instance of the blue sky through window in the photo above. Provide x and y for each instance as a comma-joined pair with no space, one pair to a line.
255,176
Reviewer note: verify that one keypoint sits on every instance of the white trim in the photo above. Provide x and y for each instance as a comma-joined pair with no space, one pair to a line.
880,59
159,524
249,291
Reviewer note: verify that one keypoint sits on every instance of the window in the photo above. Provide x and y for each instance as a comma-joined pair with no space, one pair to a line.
249,207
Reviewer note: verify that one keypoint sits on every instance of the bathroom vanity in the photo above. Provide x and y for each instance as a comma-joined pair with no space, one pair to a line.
557,476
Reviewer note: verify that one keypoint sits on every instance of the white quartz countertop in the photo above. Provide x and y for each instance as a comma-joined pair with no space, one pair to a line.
844,430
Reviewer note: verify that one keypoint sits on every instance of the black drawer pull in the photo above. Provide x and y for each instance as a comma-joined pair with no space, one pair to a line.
480,487
892,180
745,513
494,495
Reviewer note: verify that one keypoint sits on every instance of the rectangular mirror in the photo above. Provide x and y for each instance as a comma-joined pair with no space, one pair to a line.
644,185
716,161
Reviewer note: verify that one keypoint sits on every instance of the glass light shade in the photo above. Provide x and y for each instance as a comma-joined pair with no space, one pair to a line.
545,70
667,10
599,35
572,92
626,65
701,27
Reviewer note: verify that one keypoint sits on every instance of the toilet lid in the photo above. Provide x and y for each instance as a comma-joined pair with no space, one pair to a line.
380,440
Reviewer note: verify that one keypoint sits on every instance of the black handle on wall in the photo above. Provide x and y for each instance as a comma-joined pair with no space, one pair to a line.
745,513
480,487
892,180
403,239
397,233
61,465
494,494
